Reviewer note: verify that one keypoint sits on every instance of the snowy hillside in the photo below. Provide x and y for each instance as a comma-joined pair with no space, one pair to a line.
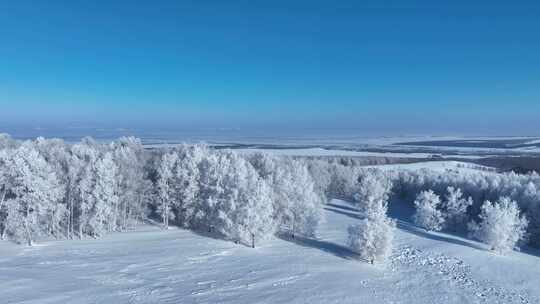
436,166
149,265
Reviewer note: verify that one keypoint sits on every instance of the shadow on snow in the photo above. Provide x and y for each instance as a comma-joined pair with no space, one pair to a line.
344,210
405,226
335,249
401,213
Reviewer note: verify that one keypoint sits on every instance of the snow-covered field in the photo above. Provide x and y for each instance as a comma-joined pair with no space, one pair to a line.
330,152
442,165
149,265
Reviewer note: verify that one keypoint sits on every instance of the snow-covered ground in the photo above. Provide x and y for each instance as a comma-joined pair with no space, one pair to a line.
442,165
149,265
331,152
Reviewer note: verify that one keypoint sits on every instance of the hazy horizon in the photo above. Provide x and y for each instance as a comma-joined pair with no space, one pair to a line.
232,135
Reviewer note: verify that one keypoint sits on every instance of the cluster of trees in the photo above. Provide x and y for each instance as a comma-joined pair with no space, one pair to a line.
500,209
466,197
243,198
49,188
499,224
433,213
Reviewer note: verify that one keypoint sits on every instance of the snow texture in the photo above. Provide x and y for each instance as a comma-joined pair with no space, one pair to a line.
149,265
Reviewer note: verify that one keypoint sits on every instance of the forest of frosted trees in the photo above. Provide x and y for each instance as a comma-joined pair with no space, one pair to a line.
49,188
87,189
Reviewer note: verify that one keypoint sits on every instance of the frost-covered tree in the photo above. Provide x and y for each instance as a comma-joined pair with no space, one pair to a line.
33,192
305,202
82,183
166,186
455,208
76,164
104,212
130,159
322,177
374,189
297,201
186,181
8,143
372,238
500,226
344,181
252,214
4,184
55,153
235,201
428,215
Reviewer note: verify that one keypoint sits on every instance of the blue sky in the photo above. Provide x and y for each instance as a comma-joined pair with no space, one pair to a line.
381,67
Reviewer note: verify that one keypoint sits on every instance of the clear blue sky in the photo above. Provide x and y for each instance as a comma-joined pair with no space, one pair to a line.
385,67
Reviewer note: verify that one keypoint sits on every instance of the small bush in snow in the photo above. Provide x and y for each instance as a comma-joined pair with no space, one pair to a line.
501,226
427,213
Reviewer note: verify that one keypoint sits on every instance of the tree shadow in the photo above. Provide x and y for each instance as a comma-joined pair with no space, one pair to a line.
401,213
204,232
406,226
342,207
530,250
346,213
335,249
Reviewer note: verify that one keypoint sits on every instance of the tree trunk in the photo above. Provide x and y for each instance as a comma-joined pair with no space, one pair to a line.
3,232
124,224
51,225
72,220
3,225
293,227
166,217
81,225
115,214
252,240
128,216
71,217
2,199
27,227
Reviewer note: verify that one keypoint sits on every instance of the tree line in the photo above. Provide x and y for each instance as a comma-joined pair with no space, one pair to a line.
52,189
87,189
499,209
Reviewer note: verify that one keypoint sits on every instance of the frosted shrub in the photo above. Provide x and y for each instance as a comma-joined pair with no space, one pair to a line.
501,226
455,208
372,238
427,214
374,189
